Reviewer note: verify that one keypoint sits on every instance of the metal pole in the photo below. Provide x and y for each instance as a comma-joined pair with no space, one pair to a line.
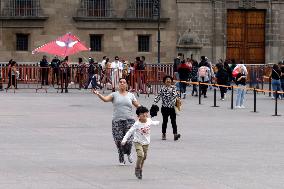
254,100
232,98
199,92
159,32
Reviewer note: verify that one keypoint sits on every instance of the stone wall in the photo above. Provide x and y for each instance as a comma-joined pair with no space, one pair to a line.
119,34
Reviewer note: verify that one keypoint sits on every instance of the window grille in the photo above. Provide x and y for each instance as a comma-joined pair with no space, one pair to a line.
96,42
21,8
141,9
95,8
22,42
143,43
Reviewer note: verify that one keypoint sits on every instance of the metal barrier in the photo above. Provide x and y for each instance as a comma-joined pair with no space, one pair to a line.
145,81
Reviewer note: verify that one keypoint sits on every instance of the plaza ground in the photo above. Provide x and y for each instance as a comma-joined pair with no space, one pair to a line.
63,141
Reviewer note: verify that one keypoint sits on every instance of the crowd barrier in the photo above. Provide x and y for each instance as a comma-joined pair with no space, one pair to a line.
34,77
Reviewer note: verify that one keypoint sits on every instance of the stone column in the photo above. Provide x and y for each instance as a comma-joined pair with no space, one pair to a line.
218,27
273,36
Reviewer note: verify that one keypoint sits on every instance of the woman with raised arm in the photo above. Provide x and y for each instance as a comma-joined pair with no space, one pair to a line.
122,119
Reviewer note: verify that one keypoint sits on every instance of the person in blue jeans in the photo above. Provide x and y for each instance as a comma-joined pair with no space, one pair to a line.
281,64
276,84
241,84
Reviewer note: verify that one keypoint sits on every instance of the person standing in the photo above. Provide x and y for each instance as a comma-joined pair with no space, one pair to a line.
122,119
276,84
117,68
282,77
64,74
169,95
44,70
55,63
241,84
141,133
81,70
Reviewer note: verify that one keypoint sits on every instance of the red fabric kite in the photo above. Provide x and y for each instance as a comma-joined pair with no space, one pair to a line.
65,45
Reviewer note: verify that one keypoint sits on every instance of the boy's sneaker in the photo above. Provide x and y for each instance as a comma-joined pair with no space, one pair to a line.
237,107
242,106
130,159
138,173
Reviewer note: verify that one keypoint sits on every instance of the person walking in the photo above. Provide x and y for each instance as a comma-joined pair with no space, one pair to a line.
222,79
122,118
169,95
194,77
141,133
204,75
183,71
12,74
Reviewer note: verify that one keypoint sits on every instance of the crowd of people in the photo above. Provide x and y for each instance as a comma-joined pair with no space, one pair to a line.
224,73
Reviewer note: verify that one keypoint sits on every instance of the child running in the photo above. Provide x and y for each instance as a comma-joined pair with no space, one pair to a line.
141,132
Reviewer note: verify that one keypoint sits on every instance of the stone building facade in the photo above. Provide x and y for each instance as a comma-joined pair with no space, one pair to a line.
128,28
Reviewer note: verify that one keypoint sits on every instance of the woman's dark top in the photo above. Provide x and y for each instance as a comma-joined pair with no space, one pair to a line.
275,74
241,81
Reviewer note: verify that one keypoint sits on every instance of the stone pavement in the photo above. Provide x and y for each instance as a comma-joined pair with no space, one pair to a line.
64,141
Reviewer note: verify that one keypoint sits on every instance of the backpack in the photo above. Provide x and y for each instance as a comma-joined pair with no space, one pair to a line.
202,71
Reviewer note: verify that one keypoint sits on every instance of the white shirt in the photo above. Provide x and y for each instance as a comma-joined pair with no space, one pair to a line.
141,131
117,65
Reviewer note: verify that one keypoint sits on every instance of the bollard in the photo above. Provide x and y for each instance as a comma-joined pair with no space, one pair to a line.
232,97
1,81
214,96
199,90
269,94
276,94
254,100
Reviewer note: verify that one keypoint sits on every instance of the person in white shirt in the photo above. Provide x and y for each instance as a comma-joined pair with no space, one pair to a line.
141,132
117,68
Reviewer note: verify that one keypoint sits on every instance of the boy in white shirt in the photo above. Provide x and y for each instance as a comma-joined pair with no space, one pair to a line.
141,132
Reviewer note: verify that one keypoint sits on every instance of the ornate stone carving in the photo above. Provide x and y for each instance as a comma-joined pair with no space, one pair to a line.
188,38
247,4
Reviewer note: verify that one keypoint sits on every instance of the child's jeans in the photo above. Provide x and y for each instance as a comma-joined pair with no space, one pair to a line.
141,151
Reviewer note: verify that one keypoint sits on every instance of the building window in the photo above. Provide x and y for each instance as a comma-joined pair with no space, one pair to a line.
96,42
143,43
22,42
97,8
23,7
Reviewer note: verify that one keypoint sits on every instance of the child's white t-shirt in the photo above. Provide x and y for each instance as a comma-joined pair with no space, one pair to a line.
141,131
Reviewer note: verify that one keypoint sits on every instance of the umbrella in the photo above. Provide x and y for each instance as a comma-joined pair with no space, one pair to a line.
65,45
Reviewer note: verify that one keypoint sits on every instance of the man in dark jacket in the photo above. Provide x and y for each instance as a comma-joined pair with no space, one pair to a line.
177,62
183,71
44,70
